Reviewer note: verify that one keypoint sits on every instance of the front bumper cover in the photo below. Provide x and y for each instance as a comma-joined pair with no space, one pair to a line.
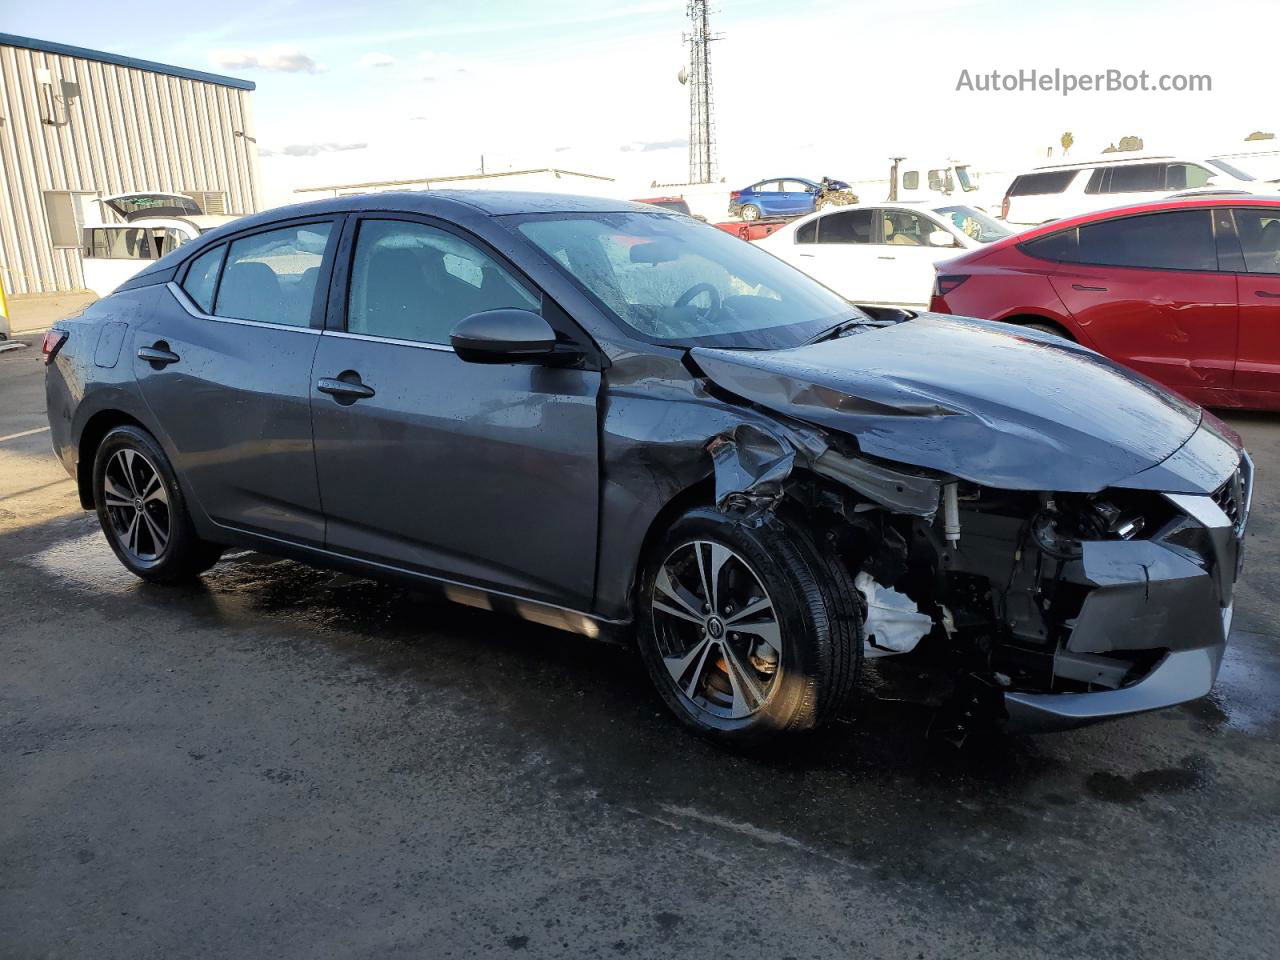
1153,595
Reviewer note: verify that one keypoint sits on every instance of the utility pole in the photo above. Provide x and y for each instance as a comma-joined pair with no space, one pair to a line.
702,128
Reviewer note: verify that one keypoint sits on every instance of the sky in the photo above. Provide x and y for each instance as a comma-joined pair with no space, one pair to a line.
371,91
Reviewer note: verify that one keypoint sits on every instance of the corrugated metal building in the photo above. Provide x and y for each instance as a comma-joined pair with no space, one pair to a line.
78,124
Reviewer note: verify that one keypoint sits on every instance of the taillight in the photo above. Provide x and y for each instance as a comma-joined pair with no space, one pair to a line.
53,341
1004,208
945,283
735,195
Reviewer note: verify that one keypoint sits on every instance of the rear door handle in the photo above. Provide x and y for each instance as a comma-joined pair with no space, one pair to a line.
886,258
806,256
158,355
1087,289
344,391
1268,294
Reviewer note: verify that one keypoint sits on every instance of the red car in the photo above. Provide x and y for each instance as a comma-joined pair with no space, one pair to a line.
1186,291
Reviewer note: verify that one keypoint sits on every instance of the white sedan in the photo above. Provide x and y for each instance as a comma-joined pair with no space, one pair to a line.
882,254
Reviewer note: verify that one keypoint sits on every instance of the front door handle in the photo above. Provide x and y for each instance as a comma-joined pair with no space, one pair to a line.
886,258
345,391
158,355
1086,289
1268,294
806,256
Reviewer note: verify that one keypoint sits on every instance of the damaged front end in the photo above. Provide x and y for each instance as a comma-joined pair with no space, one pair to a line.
1042,609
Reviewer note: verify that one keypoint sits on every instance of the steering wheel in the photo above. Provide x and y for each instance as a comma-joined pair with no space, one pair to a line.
686,298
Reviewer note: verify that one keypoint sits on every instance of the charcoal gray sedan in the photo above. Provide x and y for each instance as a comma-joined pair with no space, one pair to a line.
616,420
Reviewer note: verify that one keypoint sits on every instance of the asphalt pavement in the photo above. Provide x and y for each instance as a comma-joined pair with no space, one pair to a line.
284,762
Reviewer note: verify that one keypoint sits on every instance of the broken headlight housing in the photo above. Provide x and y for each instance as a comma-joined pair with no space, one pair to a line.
1065,520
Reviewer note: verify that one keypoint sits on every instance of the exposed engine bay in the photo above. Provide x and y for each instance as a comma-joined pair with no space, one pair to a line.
1014,600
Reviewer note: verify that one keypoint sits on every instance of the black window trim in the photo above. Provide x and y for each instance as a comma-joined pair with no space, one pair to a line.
1207,211
569,331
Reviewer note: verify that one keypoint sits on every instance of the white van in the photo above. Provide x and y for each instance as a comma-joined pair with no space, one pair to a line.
153,224
1054,191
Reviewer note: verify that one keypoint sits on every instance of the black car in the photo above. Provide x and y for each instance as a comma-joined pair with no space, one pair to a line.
617,420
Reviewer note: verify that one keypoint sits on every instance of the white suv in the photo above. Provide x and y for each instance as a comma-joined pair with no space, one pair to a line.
1066,189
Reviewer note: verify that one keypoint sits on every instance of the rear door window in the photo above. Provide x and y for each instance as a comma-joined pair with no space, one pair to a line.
1136,178
1181,240
1259,232
850,226
271,277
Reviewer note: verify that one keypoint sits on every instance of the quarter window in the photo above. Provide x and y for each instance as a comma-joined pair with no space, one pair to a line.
850,226
271,277
410,281
1039,184
202,277
1260,237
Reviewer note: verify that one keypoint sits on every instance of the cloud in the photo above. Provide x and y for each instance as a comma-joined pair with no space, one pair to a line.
279,59
376,59
311,149
651,145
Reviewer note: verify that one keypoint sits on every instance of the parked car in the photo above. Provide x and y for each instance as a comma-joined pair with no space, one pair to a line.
154,224
598,416
1054,191
787,197
675,204
883,253
1185,291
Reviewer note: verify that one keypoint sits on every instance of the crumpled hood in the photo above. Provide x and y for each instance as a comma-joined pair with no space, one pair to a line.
991,403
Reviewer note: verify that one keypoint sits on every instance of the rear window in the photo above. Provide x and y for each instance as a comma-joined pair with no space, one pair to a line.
1038,184
1179,240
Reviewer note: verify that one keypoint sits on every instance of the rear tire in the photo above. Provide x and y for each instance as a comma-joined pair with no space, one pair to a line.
779,647
142,511
750,212
1050,329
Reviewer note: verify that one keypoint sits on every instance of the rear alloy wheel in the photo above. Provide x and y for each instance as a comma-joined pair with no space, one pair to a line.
137,505
747,629
750,212
142,511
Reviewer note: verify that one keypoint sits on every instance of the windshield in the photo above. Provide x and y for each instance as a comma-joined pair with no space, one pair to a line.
679,282
974,223
1231,171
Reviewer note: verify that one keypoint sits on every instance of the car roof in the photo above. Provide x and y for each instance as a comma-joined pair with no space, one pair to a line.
1205,201
445,203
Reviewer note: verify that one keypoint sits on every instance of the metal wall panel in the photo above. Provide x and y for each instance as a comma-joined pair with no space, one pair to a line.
127,129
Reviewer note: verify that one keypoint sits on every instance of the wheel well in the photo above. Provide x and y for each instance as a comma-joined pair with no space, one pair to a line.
1023,319
99,425
699,494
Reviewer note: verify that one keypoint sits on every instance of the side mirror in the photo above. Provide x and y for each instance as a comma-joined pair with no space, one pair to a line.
940,238
508,335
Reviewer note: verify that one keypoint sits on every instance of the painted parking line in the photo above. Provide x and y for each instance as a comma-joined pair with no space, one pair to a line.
24,433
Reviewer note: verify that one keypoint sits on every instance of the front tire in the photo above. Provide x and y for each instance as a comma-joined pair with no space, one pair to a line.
748,629
142,511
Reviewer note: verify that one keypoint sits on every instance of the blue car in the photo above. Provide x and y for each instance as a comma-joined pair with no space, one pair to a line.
782,197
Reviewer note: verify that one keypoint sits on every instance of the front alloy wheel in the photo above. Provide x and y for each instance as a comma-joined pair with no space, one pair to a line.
748,629
715,627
